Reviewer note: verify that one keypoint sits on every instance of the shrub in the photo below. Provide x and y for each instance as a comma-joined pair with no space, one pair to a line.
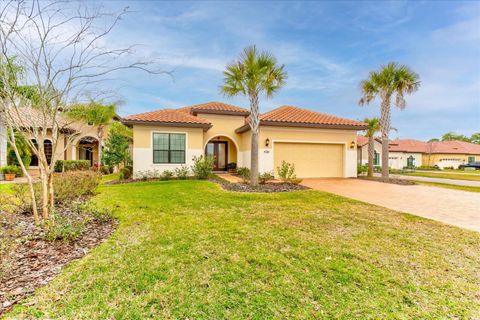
101,215
72,185
265,177
362,168
11,169
106,169
182,172
71,165
286,172
65,228
202,167
244,173
148,174
126,173
166,175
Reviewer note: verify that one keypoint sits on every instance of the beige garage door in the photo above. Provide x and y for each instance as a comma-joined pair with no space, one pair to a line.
312,160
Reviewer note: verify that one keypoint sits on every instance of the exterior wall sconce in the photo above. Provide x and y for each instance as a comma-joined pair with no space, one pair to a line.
352,144
267,142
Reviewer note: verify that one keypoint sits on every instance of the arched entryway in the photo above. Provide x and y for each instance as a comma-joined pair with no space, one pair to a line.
87,149
224,151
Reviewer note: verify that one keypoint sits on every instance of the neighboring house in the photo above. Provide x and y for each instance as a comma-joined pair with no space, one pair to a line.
446,154
362,150
83,147
319,145
405,153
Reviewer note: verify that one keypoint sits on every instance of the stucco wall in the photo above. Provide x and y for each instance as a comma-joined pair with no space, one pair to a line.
143,151
363,153
398,160
447,160
282,134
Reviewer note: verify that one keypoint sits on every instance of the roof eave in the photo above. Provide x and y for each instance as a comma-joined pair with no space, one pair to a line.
220,112
204,126
246,127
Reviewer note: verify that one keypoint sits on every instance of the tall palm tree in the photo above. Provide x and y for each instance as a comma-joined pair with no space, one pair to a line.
391,80
96,114
253,74
373,128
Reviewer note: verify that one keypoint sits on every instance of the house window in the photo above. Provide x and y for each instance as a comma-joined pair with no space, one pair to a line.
168,148
376,158
410,161
33,156
471,159
47,148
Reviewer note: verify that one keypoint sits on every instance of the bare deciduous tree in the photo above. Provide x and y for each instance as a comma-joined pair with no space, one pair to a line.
62,49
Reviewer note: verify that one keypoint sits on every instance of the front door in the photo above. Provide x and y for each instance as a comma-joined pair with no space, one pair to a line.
218,151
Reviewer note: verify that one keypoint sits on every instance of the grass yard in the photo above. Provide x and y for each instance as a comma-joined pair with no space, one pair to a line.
187,249
460,176
450,186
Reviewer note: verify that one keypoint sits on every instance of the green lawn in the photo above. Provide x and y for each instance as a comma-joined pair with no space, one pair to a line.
187,249
460,176
6,187
449,186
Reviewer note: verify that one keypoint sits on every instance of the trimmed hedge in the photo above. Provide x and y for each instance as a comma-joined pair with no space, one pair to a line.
71,165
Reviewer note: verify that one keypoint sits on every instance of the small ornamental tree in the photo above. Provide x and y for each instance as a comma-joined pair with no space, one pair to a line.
117,145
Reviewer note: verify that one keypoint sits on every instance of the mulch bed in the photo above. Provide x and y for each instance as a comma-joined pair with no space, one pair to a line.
268,187
402,182
36,261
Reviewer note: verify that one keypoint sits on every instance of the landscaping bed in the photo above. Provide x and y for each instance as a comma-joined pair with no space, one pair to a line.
402,182
35,260
267,187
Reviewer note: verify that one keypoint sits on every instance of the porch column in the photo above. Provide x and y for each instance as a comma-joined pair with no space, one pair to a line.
74,153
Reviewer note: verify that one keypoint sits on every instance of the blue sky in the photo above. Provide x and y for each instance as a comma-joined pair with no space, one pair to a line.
327,48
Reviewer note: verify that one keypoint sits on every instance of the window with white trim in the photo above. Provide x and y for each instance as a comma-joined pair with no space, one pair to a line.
169,147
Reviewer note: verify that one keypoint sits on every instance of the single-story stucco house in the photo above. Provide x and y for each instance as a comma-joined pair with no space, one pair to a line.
319,145
414,153
84,144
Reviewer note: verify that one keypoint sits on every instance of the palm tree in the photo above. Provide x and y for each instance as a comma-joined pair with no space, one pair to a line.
251,75
373,127
96,114
391,80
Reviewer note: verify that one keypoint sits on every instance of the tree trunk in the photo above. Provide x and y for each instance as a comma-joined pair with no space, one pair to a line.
45,196
254,160
385,129
13,143
254,126
371,154
50,189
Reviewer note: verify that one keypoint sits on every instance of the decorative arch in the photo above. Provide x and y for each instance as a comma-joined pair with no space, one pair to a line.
222,135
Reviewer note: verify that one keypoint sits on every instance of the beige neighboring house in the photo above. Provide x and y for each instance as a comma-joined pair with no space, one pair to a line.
450,154
362,150
319,145
84,146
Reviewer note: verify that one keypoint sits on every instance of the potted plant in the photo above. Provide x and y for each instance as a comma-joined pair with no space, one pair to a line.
10,172
232,167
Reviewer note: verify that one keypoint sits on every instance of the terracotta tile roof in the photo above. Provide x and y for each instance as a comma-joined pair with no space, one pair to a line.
407,145
214,107
29,117
452,147
298,117
362,140
168,116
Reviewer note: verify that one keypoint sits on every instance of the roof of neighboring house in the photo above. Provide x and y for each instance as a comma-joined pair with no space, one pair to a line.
291,116
167,117
28,117
407,145
452,147
362,140
215,108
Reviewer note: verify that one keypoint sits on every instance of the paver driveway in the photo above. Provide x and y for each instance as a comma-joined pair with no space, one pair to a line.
459,208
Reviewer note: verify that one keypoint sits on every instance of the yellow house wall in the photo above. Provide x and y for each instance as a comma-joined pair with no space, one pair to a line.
434,159
143,149
308,135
